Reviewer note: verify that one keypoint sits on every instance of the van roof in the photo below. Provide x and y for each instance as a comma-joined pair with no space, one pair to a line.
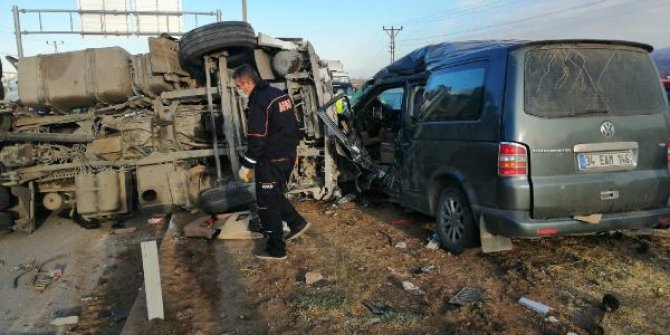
434,55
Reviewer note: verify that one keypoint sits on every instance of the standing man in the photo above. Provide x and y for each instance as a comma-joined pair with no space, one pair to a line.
272,138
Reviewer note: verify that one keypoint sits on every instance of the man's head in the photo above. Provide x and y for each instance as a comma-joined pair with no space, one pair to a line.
246,78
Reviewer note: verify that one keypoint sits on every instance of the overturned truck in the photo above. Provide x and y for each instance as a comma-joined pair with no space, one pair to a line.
99,132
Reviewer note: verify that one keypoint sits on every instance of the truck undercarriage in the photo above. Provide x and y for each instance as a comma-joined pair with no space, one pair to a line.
99,132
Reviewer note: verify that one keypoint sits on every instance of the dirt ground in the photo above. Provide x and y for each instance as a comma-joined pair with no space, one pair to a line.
218,287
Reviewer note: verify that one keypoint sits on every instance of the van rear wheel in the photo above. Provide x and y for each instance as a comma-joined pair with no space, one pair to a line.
455,224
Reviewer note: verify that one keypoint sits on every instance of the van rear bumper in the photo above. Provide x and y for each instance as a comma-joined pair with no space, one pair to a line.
520,224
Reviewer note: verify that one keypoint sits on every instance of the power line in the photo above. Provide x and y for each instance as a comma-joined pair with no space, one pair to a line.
506,23
392,32
453,12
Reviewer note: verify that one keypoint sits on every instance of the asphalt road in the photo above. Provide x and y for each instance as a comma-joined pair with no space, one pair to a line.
85,254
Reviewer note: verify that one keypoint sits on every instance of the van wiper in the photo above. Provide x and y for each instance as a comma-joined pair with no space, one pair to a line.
590,112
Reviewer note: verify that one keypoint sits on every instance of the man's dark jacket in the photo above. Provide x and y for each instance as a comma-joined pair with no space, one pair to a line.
272,130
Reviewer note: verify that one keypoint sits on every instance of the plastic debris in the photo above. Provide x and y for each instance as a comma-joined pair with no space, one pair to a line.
125,230
534,305
433,243
427,268
411,288
610,302
401,245
313,277
423,269
345,199
56,273
158,219
466,296
551,319
377,309
400,222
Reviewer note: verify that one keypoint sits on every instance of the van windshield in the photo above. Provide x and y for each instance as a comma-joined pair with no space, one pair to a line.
563,81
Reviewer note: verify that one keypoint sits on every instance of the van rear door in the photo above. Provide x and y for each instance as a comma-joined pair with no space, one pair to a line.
596,129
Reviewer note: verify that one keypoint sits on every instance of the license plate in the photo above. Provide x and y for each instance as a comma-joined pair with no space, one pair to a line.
599,160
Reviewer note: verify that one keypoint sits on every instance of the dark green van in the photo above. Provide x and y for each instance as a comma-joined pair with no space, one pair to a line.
521,139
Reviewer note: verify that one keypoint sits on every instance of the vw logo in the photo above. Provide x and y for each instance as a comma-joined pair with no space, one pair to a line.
607,129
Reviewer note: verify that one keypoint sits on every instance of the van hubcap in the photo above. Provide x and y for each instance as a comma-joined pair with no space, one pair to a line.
452,219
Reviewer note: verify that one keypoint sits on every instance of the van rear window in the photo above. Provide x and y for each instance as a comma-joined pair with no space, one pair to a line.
569,81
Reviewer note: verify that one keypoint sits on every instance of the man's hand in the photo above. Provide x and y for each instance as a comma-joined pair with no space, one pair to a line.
246,174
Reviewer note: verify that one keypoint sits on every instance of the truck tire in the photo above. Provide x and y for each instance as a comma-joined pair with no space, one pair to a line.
231,197
5,198
455,223
236,37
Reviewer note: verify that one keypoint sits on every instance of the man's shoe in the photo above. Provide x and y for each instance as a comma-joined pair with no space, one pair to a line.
299,230
267,255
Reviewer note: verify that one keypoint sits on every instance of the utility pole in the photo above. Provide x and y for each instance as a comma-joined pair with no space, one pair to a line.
392,32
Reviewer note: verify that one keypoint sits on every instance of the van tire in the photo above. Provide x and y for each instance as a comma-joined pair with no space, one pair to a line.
455,224
231,197
236,37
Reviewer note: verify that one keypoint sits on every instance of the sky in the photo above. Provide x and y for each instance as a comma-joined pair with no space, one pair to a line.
351,30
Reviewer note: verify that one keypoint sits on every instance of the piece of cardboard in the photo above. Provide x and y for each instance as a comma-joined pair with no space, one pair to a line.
235,226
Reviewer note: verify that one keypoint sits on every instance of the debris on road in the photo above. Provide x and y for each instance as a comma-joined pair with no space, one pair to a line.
41,282
25,266
534,305
466,296
124,230
346,199
88,299
376,308
433,243
401,245
400,222
156,220
63,323
313,277
424,269
551,319
201,227
610,303
389,239
56,273
411,288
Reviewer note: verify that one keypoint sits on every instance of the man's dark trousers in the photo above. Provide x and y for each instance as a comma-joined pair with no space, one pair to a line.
273,207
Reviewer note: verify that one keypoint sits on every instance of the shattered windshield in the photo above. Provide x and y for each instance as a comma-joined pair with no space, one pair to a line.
569,81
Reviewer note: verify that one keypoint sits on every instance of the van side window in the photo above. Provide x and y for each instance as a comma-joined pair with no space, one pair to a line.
454,94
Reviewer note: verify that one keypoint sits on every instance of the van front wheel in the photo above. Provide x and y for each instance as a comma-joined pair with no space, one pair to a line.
455,225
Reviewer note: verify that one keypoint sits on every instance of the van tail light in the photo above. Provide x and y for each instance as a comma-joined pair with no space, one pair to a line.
512,159
666,82
541,232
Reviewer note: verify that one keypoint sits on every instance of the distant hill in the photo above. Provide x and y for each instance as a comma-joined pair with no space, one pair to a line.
662,59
